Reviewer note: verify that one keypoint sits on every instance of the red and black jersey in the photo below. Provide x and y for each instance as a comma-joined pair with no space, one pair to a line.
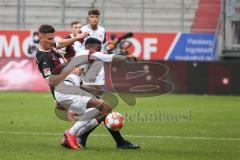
49,63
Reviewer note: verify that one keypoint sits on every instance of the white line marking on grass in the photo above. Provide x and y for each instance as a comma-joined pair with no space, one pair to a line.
32,133
134,136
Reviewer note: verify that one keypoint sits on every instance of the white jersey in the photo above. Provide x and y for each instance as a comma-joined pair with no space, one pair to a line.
77,46
99,33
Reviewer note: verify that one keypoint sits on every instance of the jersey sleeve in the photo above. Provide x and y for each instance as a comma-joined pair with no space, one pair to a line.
99,56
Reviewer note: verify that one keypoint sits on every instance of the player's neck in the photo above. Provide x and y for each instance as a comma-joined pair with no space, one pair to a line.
93,27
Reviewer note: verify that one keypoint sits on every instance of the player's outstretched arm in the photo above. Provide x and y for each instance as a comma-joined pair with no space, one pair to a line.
111,57
66,42
124,58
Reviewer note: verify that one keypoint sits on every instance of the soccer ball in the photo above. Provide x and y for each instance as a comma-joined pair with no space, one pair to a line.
114,121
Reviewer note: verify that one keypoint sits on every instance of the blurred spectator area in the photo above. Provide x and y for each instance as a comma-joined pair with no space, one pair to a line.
131,15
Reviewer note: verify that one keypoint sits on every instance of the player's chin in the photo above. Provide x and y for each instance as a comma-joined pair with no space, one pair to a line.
94,24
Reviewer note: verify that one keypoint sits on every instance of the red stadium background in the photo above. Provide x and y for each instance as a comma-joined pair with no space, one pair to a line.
18,70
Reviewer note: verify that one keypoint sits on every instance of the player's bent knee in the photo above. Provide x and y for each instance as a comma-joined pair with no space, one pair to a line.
95,103
99,104
107,107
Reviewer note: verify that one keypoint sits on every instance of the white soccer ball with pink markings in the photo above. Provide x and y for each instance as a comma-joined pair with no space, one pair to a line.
114,121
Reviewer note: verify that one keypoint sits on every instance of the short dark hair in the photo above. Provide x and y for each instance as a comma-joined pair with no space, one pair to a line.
45,28
75,22
93,43
94,12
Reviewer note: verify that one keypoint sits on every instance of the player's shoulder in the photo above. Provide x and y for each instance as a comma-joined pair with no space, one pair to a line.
41,55
85,28
101,28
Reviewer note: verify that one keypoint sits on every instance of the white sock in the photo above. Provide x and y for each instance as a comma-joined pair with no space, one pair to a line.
87,117
79,124
87,127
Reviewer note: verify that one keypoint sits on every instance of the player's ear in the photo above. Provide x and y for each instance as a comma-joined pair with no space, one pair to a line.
98,47
87,47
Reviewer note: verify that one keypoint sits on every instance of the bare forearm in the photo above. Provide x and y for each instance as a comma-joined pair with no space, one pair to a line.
119,58
56,79
108,57
111,58
66,42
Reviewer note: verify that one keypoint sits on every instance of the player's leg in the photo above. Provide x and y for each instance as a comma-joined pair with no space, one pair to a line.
76,100
104,109
76,105
96,109
82,138
120,141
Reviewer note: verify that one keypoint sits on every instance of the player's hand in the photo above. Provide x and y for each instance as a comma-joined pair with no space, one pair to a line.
73,117
131,58
59,106
82,35
77,71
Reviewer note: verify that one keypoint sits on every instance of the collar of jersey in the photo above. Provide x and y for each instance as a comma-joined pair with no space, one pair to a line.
44,50
91,27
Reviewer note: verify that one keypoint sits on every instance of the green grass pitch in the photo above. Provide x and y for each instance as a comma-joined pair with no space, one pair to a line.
185,127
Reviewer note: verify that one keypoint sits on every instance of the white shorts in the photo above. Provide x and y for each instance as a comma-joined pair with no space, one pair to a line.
74,103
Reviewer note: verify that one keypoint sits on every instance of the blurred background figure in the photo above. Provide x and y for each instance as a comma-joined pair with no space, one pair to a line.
34,44
119,45
72,49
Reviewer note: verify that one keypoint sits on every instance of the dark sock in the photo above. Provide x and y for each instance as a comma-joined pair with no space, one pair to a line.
115,134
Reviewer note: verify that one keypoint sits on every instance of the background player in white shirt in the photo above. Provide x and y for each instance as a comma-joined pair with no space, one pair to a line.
93,27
